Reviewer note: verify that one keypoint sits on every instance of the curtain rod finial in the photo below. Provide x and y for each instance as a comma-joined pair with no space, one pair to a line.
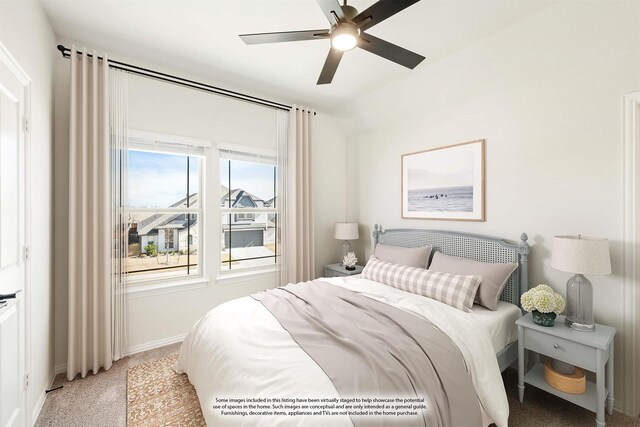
61,48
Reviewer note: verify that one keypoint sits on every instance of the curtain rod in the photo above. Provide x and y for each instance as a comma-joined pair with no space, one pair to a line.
157,75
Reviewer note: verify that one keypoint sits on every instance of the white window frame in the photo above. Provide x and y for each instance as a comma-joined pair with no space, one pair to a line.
226,276
162,282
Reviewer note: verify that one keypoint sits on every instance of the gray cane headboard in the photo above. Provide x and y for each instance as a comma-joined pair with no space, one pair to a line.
471,246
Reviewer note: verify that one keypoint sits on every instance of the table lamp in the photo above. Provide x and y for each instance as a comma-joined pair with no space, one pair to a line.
580,255
346,231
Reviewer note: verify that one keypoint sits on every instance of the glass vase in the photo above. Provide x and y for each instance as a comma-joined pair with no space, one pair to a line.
543,319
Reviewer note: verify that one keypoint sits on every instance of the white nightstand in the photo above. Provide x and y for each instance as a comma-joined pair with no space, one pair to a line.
592,351
337,270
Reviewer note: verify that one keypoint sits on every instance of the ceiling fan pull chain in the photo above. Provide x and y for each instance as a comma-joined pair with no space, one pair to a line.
335,15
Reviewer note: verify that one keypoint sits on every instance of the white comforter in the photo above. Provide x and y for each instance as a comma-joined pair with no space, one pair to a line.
239,349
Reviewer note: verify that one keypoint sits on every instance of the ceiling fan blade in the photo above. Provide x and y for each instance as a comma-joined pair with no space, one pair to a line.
330,66
329,7
389,51
286,36
380,11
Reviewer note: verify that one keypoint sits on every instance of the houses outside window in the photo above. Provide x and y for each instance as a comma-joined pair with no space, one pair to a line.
164,210
249,215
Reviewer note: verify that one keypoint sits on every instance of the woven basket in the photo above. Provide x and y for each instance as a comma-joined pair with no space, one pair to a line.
575,383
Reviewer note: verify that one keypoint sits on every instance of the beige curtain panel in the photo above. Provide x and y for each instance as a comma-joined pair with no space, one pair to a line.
90,317
299,253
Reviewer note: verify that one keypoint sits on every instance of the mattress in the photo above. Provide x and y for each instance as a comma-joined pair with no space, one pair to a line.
500,324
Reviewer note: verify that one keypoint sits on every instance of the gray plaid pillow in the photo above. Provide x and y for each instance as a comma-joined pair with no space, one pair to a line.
454,290
494,275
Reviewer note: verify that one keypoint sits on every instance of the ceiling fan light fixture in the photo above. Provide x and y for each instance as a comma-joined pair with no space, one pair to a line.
348,29
344,37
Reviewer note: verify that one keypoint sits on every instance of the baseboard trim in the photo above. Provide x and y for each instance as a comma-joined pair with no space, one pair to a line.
154,344
62,368
43,396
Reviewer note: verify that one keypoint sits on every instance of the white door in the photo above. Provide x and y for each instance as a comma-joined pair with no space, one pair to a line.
12,237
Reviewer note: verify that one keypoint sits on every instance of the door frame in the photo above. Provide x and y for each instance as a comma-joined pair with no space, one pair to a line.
631,251
9,61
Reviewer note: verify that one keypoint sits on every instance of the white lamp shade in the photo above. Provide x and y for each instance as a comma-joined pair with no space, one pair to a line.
346,231
581,254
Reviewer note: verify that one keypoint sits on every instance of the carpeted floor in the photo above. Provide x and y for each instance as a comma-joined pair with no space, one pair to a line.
101,400
96,400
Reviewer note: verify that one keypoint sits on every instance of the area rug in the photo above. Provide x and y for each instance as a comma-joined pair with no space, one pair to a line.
158,396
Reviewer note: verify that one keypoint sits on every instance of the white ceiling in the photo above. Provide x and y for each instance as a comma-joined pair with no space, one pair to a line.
201,38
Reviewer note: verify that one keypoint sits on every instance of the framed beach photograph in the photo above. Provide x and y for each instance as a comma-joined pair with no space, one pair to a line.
444,183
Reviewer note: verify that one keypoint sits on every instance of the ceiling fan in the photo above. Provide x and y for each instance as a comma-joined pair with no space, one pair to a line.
348,31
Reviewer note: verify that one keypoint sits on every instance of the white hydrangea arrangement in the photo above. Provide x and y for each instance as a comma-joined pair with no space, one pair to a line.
543,299
350,259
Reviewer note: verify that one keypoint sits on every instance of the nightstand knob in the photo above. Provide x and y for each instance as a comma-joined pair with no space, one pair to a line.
556,346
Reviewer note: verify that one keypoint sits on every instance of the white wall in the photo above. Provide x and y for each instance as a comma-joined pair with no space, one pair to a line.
26,32
166,108
545,93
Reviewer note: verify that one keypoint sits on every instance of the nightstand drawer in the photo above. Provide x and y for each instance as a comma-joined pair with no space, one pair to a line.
561,349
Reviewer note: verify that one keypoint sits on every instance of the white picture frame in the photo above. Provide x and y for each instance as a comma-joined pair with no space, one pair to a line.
445,183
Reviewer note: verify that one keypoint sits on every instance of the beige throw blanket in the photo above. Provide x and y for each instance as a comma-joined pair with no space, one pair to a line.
373,350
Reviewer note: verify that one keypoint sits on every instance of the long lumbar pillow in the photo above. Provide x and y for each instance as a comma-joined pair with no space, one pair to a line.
412,257
494,275
454,290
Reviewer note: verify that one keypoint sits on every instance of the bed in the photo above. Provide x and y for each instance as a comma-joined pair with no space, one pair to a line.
478,248
240,349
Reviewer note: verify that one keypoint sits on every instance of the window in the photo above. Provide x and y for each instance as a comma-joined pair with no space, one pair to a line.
164,210
249,215
245,217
